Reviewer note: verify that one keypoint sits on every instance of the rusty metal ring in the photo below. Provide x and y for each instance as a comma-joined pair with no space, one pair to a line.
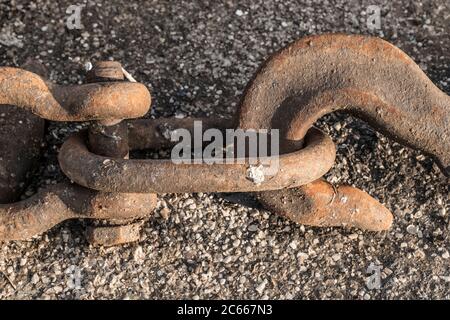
93,101
163,176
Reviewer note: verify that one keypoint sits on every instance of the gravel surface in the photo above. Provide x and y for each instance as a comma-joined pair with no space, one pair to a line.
196,57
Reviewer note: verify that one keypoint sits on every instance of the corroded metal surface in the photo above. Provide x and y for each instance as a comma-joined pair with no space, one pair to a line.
155,133
321,204
21,137
365,76
30,217
92,101
164,176
108,102
110,140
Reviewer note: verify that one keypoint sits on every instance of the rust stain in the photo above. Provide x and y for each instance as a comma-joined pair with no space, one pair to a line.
86,102
365,76
322,205
37,214
164,176
316,75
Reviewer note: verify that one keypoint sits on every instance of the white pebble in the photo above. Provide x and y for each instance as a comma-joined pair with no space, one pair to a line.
35,279
260,288
336,257
138,255
411,229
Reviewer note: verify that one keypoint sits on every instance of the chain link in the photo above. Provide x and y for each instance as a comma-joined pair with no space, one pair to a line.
364,76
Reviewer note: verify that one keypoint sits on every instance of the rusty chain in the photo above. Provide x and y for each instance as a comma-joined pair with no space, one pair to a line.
364,76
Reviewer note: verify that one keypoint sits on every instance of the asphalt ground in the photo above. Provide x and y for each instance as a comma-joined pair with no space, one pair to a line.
196,58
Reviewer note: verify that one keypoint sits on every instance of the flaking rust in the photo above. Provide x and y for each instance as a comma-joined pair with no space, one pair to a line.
364,76
164,176
321,204
86,102
64,201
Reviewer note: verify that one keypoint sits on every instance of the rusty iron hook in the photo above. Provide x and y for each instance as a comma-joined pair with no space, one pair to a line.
364,76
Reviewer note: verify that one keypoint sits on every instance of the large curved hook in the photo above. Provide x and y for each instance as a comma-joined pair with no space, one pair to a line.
365,76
